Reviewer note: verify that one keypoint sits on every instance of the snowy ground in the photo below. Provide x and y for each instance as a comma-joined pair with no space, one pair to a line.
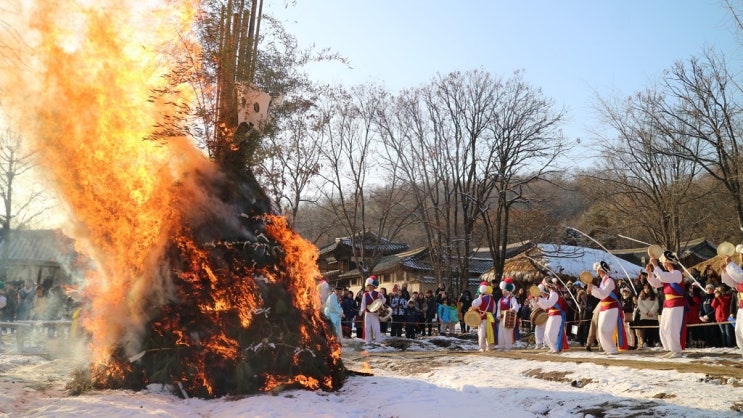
432,377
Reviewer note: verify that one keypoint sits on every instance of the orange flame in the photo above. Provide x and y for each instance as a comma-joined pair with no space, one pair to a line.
80,82
81,87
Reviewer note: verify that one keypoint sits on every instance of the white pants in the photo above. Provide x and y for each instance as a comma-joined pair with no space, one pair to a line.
607,326
505,336
371,327
539,333
552,332
670,328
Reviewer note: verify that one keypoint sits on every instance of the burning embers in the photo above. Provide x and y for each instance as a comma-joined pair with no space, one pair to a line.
242,317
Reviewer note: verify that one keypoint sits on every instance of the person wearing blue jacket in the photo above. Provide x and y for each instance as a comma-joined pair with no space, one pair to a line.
447,314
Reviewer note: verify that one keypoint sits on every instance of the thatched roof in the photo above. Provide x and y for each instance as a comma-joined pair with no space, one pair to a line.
715,262
566,261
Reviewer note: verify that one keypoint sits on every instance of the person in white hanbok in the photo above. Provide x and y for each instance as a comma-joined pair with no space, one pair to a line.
372,330
732,275
507,302
610,323
673,321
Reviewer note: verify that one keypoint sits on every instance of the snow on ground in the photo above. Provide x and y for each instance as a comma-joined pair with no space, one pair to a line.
433,377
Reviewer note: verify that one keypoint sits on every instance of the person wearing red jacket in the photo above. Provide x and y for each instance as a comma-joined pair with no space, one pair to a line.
721,304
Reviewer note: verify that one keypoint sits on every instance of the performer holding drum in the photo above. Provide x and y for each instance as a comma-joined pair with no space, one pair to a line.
554,334
485,306
538,316
371,316
611,317
508,308
672,323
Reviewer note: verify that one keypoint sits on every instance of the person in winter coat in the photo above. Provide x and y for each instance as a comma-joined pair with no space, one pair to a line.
447,317
350,311
398,304
694,335
648,305
464,302
26,301
411,319
721,304
3,300
429,307
358,322
405,292
710,333
628,306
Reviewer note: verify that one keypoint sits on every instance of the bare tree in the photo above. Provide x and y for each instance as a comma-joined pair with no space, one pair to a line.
362,195
292,160
700,111
648,189
466,140
19,209
414,134
526,141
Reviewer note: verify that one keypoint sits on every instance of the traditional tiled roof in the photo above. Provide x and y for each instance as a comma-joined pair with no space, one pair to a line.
388,263
38,247
370,243
511,249
418,260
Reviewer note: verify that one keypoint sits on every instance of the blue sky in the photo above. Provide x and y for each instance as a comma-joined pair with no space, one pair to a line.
572,49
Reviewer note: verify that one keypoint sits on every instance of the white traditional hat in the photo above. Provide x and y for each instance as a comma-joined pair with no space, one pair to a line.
372,281
507,285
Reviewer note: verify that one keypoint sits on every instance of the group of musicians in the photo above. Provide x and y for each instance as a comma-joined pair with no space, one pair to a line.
497,331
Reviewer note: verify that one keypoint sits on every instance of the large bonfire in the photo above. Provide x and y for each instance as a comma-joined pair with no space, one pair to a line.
197,284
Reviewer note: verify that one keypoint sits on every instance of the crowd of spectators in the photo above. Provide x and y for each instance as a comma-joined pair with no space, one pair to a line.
25,300
436,312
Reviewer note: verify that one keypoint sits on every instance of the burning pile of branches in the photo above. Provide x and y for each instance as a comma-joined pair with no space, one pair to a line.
243,316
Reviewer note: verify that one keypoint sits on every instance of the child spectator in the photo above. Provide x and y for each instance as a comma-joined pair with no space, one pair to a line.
447,317
411,319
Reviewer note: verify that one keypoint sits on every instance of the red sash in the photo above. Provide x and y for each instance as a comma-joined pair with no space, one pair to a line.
674,295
